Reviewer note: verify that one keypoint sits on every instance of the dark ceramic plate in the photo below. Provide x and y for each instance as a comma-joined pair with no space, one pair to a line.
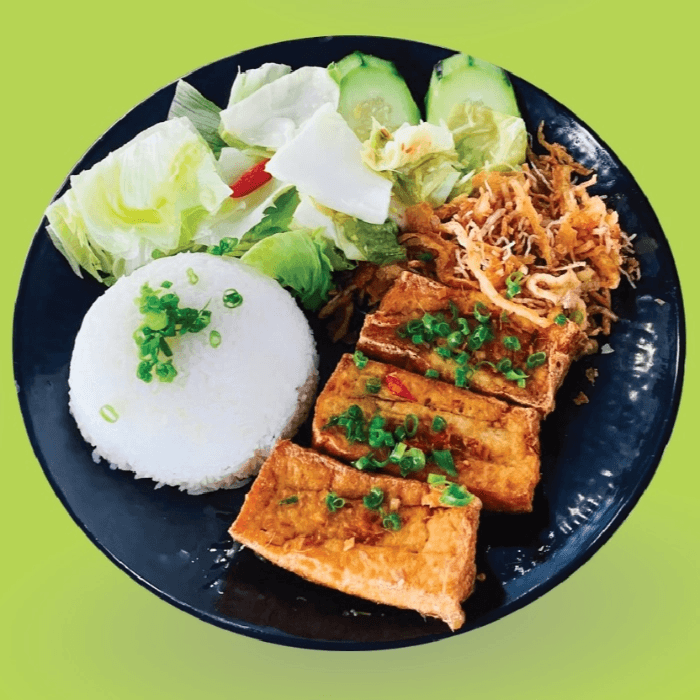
597,458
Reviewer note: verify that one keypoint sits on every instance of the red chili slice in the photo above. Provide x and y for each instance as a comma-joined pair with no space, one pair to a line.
398,388
251,179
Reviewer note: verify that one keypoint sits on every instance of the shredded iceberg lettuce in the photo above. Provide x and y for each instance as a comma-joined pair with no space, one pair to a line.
420,161
272,113
146,199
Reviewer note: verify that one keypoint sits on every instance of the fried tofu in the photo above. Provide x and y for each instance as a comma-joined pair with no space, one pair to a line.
426,565
494,445
385,336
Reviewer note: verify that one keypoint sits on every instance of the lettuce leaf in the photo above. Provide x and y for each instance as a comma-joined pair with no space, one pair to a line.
357,239
420,160
486,139
146,199
246,83
297,259
204,115
273,113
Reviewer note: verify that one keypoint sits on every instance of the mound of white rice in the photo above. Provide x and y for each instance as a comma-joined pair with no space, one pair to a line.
215,423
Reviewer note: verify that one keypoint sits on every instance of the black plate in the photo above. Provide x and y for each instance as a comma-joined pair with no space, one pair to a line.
597,459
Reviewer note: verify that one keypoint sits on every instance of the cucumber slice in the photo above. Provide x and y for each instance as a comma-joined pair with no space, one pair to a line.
462,78
372,87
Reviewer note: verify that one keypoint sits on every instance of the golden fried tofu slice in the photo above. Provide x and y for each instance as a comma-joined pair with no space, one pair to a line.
494,446
305,512
494,353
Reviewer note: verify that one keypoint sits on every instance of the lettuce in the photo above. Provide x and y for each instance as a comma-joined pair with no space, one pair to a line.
357,239
246,83
420,160
146,199
297,259
272,113
324,162
204,115
486,139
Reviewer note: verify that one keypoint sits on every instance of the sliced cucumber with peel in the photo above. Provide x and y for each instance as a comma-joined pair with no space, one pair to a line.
463,78
372,87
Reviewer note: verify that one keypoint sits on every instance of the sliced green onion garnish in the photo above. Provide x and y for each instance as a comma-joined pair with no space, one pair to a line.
444,460
289,500
410,422
454,310
481,312
456,495
109,413
511,342
377,422
414,326
443,352
374,498
232,299
417,338
402,332
443,329
166,284
428,321
461,377
516,375
439,424
334,502
165,371
192,276
513,284
215,339
462,358
560,320
373,385
504,365
412,461
364,463
536,359
399,432
463,325
391,521
432,373
454,340
437,480
399,450
360,359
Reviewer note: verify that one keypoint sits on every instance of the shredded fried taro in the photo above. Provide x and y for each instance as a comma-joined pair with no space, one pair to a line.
534,240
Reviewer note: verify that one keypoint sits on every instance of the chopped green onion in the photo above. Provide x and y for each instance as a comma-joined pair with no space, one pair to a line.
426,257
536,359
410,422
439,424
454,340
397,454
374,498
215,339
463,325
511,342
360,359
443,352
377,422
165,371
191,276
157,254
516,375
379,438
373,385
444,460
412,461
166,284
481,312
399,432
334,502
417,338
461,377
560,320
414,326
479,365
513,284
232,299
402,332
109,414
365,463
391,521
462,358
428,321
432,373
456,496
289,500
504,365
437,480
443,329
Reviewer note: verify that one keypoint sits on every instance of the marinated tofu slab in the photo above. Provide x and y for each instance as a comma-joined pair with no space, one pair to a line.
459,337
487,445
306,512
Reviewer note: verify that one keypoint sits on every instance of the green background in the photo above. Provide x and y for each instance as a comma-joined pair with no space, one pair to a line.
624,626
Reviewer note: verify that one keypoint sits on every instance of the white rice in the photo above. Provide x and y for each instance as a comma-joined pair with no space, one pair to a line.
213,426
